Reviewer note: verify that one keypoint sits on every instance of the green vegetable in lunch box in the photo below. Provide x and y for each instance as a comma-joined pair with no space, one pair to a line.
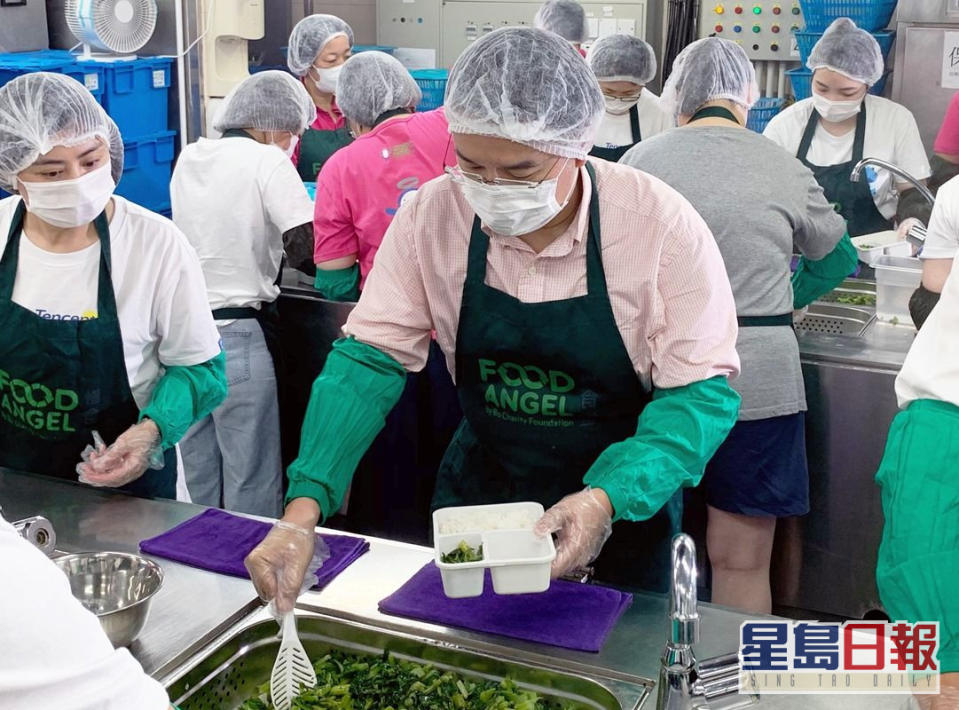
462,553
348,682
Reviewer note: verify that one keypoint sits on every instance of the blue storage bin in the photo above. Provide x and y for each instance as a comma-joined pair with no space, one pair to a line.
870,15
762,113
432,83
806,40
310,190
59,61
147,166
137,94
357,48
802,83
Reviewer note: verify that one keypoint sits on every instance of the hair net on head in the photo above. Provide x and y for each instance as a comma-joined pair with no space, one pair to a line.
527,86
309,36
373,83
564,17
266,101
848,50
622,58
709,69
41,111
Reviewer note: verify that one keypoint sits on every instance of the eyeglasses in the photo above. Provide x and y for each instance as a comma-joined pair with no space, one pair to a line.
625,99
460,175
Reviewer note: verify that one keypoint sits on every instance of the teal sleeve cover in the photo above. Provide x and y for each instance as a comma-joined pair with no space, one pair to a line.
678,432
339,284
357,388
184,395
814,278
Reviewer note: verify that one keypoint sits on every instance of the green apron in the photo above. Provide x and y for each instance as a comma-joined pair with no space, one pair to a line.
545,388
60,379
614,154
316,147
853,200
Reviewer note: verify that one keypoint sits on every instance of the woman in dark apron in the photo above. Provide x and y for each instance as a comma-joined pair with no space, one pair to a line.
556,394
319,46
624,65
64,381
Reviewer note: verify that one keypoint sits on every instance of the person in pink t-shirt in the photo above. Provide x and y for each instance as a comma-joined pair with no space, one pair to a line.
945,157
319,47
362,186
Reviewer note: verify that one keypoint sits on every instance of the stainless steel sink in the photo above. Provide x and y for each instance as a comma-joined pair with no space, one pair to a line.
234,669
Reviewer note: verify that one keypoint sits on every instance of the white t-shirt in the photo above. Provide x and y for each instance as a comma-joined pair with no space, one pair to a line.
161,300
891,135
55,655
615,131
234,198
931,369
942,236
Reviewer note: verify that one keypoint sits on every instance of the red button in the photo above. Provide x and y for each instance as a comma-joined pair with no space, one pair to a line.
738,10
777,10
719,28
775,28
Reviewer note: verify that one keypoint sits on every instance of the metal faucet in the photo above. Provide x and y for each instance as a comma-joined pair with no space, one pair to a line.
684,683
923,190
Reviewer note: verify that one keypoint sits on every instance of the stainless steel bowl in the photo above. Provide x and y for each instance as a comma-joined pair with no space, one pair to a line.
116,586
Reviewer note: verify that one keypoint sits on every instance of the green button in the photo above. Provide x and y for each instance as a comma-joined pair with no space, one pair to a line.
756,29
795,10
757,10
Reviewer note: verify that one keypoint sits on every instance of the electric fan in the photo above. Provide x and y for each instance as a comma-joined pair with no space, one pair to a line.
120,26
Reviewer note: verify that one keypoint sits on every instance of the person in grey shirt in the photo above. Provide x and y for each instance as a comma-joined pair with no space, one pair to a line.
760,203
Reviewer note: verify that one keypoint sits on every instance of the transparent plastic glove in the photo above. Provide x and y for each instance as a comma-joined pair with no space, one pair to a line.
125,460
799,315
903,229
582,526
284,565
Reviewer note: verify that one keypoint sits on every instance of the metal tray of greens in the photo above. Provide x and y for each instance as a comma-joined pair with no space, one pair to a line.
379,666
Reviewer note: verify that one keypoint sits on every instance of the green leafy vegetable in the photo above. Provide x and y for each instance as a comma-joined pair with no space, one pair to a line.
858,299
462,553
348,682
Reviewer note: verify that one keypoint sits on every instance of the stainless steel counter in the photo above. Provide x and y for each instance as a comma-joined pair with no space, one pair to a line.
192,607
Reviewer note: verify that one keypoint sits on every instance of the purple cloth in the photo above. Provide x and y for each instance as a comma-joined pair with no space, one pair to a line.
219,541
569,615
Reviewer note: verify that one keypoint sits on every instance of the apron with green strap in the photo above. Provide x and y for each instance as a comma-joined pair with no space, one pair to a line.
545,388
316,147
614,154
853,200
62,379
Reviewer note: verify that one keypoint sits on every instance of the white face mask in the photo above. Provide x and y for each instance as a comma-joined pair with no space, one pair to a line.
835,111
617,106
70,203
328,76
288,151
514,210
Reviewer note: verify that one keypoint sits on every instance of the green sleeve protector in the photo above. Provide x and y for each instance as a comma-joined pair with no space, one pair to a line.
357,388
184,395
814,278
339,284
678,432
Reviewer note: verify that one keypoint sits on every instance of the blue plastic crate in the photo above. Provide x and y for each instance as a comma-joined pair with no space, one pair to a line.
806,40
432,83
147,166
802,83
357,48
870,15
762,113
310,190
59,61
137,94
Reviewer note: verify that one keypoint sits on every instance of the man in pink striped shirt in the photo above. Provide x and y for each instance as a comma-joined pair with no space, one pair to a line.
583,309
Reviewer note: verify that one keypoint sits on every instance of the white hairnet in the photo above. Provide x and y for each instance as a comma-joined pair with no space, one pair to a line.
527,86
709,69
373,83
846,49
266,101
41,111
309,36
564,17
622,58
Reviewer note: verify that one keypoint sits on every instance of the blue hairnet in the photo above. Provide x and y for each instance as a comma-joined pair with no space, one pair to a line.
709,69
373,83
564,17
267,101
622,57
41,111
310,36
527,86
846,49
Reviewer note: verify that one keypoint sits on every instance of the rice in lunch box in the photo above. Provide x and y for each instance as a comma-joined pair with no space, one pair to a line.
475,521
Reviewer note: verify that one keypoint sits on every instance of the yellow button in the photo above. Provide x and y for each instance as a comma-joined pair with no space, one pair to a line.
719,9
